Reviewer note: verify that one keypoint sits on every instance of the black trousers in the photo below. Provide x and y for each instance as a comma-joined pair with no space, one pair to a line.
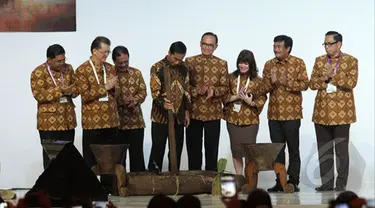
159,135
67,135
133,137
194,136
327,137
288,132
98,136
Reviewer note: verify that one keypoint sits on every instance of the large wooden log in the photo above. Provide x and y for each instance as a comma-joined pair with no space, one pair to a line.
186,182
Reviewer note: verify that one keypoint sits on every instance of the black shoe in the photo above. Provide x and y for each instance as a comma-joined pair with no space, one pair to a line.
323,188
276,188
296,188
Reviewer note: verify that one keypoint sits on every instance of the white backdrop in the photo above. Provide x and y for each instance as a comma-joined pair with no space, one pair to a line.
148,28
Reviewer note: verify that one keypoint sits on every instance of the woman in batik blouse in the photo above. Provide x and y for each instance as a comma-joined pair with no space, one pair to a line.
242,109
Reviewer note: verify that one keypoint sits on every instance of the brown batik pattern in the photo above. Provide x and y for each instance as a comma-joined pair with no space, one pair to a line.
285,100
53,115
96,114
248,115
180,91
131,83
335,108
211,71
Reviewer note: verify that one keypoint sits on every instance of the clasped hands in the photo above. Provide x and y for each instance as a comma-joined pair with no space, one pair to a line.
130,101
284,80
208,90
330,71
67,90
245,96
111,82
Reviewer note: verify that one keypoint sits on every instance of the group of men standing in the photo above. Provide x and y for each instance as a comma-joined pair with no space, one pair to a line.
111,97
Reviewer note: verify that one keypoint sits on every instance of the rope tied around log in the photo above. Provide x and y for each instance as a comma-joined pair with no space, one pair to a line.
204,181
177,185
153,185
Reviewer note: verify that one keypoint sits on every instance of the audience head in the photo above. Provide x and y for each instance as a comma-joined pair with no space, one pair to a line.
189,201
259,198
35,199
343,198
243,203
161,200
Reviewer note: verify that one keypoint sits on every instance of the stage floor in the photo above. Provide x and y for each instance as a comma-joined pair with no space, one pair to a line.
307,197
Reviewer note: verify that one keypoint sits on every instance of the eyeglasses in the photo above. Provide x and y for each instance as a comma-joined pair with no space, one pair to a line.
105,52
329,44
206,45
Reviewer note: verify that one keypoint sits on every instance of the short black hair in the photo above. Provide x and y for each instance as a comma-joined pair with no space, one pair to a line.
336,36
188,201
288,41
96,43
259,197
55,50
210,34
161,200
178,47
118,50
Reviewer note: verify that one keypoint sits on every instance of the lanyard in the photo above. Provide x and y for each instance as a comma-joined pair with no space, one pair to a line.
238,83
96,75
337,63
53,79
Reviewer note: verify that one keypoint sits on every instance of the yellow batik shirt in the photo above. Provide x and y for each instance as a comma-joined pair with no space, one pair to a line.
211,71
248,115
52,114
179,89
285,102
335,108
130,83
96,114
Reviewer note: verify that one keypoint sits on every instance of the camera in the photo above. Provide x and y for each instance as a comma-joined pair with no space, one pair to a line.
228,186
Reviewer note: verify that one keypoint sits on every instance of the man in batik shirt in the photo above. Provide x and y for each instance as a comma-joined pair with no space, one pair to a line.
179,104
131,93
334,76
209,85
53,88
285,77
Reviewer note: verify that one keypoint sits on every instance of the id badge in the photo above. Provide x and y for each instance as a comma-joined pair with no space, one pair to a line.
63,100
331,88
237,107
104,99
